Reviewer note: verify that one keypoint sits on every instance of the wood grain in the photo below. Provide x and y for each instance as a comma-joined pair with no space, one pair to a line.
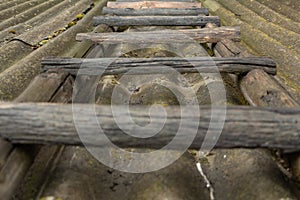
155,11
155,0
45,87
260,89
211,35
152,4
156,20
115,66
249,127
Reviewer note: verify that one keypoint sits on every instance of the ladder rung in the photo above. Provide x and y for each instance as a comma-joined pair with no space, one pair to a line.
245,126
152,4
156,20
156,11
211,35
114,66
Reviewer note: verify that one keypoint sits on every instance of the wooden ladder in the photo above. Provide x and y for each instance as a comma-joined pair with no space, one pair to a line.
245,126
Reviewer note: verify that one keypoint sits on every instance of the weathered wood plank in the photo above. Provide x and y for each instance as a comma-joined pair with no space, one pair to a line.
54,123
152,4
156,0
156,11
212,35
115,66
156,20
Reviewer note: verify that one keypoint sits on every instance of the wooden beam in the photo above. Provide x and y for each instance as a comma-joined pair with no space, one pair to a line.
155,0
115,66
155,11
211,35
260,89
152,4
244,126
156,20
